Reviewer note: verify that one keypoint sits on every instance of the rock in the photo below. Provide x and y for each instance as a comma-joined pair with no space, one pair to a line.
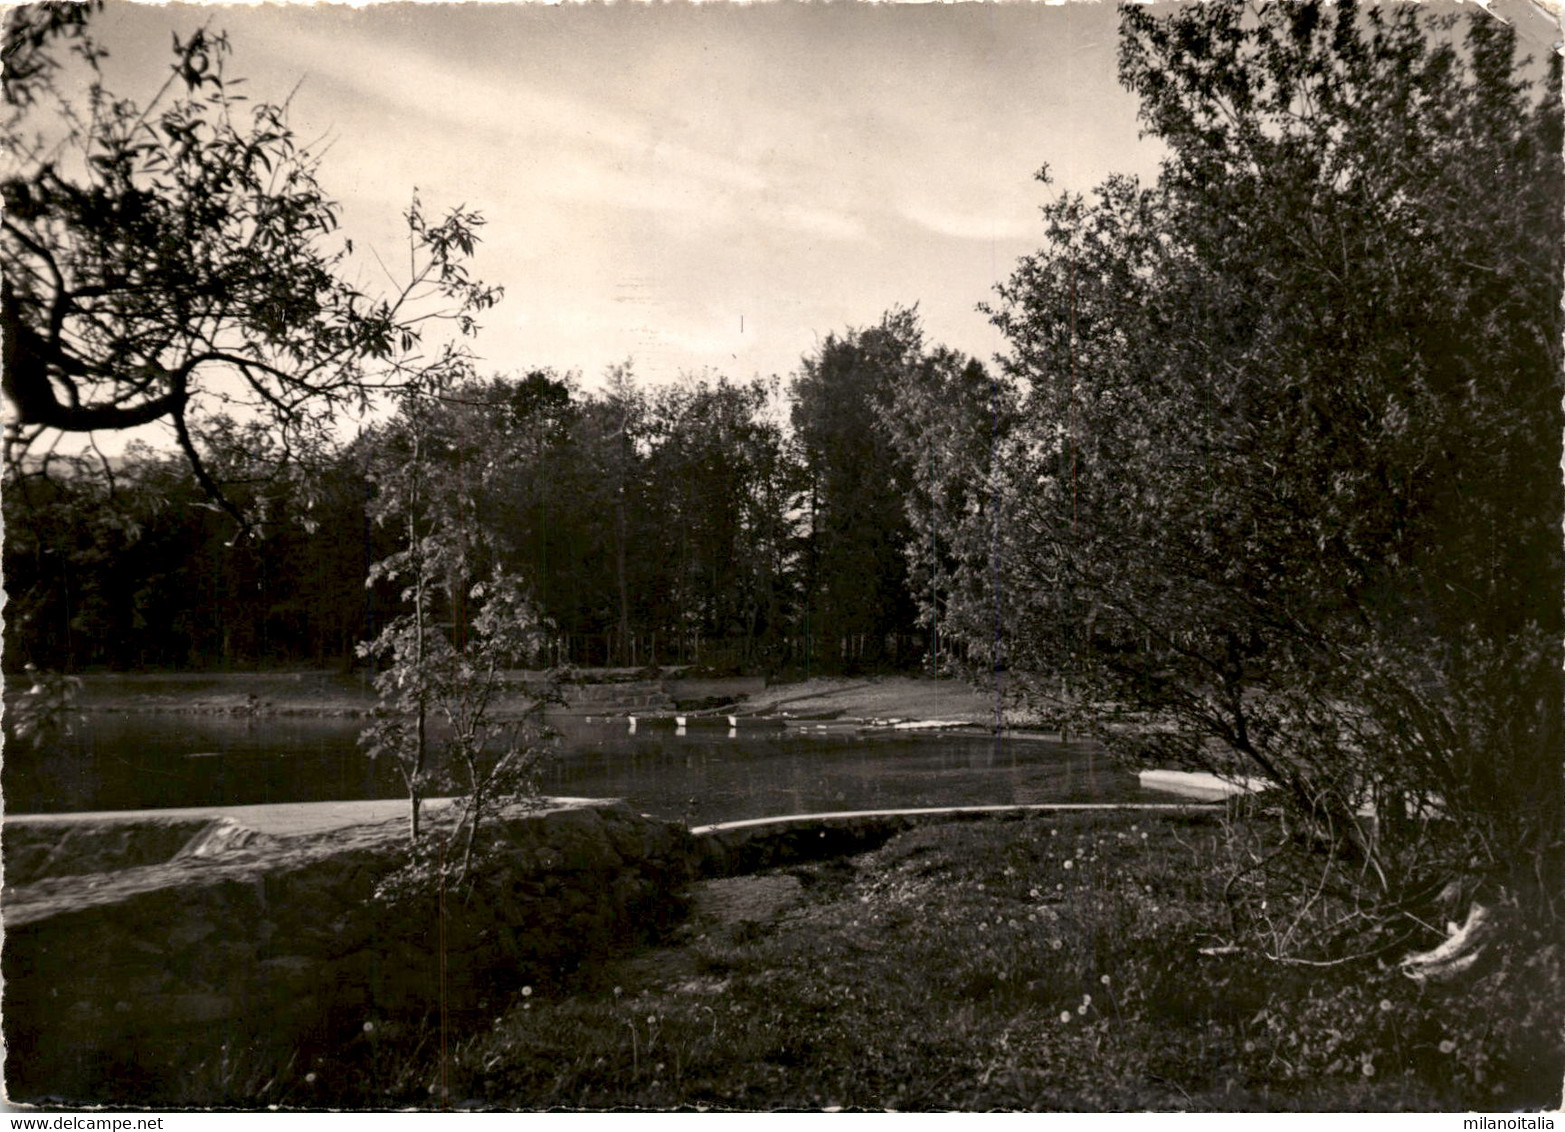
1463,947
195,1009
187,932
35,851
221,836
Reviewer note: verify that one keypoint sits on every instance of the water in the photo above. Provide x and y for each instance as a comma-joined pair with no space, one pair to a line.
114,761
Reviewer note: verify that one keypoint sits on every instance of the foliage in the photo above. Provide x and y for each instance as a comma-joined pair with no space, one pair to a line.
44,709
128,564
718,494
431,476
1287,484
857,599
489,759
949,420
170,260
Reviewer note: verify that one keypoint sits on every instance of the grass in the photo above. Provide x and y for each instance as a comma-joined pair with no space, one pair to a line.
1053,963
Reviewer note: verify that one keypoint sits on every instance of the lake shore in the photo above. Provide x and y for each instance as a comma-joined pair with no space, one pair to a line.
334,693
885,698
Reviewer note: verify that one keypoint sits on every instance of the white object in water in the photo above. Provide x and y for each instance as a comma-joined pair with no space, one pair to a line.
1200,784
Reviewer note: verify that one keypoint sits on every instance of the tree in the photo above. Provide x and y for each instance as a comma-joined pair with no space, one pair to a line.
531,420
490,759
856,583
1288,478
466,619
128,563
948,421
604,478
166,261
716,519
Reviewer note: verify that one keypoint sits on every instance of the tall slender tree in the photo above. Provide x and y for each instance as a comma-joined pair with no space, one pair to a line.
948,421
859,605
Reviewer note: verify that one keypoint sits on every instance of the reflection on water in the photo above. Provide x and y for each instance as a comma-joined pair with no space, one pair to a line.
114,761
125,761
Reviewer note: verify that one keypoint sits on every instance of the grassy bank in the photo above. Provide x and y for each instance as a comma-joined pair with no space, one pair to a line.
1049,963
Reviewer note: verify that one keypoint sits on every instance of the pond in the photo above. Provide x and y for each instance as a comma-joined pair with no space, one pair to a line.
122,761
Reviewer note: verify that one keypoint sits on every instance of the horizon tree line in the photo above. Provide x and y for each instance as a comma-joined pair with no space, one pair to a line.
686,523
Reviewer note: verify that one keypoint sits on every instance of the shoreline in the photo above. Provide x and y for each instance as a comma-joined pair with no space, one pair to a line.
910,702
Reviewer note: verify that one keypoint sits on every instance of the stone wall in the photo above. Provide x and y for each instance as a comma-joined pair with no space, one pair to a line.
35,851
743,848
120,986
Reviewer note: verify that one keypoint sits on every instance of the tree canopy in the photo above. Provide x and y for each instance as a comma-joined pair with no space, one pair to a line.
856,572
1289,473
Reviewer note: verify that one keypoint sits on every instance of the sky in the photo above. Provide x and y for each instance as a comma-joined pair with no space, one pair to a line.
693,188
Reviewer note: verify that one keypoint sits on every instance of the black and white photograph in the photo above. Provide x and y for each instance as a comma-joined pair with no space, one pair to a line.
783,557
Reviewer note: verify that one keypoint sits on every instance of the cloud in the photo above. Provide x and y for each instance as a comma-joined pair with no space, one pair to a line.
802,166
962,225
514,139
